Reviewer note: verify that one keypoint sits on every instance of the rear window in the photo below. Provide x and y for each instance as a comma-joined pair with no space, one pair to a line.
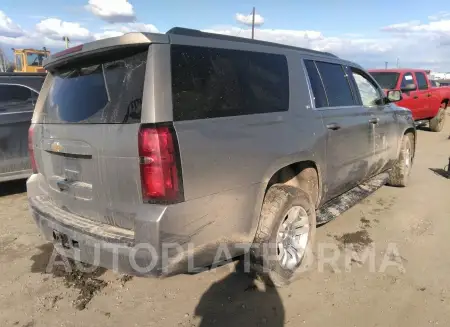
386,80
211,82
103,90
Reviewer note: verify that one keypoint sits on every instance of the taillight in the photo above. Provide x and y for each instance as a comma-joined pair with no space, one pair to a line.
31,149
160,168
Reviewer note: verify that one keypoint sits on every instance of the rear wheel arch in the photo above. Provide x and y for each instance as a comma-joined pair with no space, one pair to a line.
273,176
305,175
444,101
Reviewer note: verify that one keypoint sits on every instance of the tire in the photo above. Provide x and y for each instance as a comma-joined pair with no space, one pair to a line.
399,174
293,207
437,122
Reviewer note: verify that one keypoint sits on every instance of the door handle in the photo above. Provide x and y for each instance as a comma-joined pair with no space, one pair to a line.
415,97
333,126
428,95
374,120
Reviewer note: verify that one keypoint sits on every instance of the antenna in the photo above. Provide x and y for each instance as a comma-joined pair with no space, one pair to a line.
253,23
66,39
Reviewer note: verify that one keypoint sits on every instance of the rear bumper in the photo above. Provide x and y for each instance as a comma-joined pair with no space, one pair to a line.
135,252
96,244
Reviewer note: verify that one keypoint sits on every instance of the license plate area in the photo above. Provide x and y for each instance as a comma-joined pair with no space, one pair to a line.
65,241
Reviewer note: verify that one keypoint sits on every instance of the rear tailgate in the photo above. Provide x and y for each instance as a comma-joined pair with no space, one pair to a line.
85,131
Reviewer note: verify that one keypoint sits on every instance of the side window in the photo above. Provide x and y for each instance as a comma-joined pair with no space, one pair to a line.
16,98
19,62
336,84
211,82
367,88
34,59
407,79
320,98
421,81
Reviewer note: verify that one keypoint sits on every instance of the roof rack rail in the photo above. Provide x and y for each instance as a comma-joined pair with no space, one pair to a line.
198,33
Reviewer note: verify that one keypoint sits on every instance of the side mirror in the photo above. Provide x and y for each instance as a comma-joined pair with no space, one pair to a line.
394,95
409,87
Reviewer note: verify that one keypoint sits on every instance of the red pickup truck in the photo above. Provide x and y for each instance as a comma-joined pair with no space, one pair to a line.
427,103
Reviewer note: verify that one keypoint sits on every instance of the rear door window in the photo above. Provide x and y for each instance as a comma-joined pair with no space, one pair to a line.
337,86
16,98
421,81
211,82
320,98
103,90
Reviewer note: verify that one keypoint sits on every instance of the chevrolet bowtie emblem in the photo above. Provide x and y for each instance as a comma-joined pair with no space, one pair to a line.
56,147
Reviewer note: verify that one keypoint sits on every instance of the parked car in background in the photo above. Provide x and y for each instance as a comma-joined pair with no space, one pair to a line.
18,94
203,140
435,83
443,82
427,103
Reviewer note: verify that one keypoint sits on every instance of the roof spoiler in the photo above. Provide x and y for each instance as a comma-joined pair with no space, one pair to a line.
86,49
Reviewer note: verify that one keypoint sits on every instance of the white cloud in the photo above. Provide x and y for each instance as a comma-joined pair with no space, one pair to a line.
117,30
106,34
112,11
440,15
54,28
309,39
50,31
417,44
439,26
33,40
428,42
370,52
8,28
247,19
133,27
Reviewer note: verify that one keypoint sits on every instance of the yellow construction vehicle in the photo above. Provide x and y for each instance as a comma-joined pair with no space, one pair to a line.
30,60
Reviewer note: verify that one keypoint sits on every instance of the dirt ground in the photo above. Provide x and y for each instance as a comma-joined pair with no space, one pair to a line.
407,284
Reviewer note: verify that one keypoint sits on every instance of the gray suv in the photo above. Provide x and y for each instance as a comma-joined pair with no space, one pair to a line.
143,141
18,94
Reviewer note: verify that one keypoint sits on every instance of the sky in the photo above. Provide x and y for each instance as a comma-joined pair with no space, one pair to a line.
415,33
